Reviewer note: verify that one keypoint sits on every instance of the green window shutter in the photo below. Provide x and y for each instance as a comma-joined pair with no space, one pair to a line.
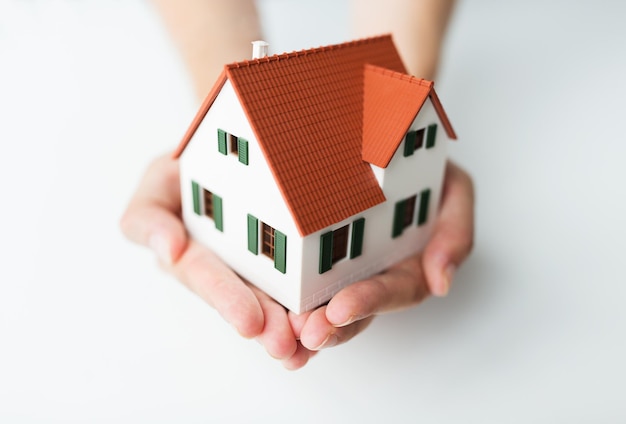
326,252
221,141
195,189
280,251
356,247
218,216
398,218
422,214
242,148
253,234
409,143
430,136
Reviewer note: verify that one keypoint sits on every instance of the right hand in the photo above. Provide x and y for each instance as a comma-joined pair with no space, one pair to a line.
153,219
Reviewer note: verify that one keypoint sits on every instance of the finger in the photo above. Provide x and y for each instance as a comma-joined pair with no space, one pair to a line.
299,359
318,333
276,336
160,184
453,235
152,216
412,280
206,275
399,287
297,322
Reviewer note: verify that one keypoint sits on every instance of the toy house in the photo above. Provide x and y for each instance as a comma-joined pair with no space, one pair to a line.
308,171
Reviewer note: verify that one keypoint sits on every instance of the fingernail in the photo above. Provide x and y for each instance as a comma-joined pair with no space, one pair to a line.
161,247
349,321
446,280
331,340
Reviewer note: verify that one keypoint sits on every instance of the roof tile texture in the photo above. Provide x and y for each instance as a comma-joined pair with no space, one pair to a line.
307,110
392,101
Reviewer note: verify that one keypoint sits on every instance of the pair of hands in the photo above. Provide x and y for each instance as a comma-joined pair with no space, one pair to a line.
153,219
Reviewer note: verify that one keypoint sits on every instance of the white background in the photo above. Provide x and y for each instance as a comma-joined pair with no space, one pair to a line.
533,330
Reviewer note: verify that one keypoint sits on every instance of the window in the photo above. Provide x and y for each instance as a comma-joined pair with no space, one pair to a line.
238,146
419,139
206,203
267,245
233,141
334,244
340,243
403,215
409,210
405,211
273,242
414,140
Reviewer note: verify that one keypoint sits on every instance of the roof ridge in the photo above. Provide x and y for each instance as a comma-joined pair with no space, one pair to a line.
305,52
399,75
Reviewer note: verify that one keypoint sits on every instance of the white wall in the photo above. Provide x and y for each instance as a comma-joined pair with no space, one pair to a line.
403,177
245,189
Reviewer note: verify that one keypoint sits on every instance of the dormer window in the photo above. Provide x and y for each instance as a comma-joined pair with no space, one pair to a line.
414,139
238,146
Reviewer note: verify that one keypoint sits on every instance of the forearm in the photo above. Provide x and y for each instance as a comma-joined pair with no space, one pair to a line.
418,28
209,34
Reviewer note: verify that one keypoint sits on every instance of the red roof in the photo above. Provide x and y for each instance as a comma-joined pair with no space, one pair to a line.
391,103
307,110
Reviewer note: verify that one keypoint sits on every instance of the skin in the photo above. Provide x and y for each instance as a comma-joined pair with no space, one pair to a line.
153,216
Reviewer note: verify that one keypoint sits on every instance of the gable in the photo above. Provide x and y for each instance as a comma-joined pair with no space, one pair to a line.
197,120
391,102
306,111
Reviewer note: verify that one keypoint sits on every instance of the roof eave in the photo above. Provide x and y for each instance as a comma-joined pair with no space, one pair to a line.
197,120
442,114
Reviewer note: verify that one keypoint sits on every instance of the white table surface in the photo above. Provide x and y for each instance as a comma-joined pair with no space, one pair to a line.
533,330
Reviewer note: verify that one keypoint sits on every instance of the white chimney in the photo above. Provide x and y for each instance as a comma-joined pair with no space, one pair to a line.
259,49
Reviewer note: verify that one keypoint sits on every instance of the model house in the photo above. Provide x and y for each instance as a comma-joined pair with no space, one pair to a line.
308,171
